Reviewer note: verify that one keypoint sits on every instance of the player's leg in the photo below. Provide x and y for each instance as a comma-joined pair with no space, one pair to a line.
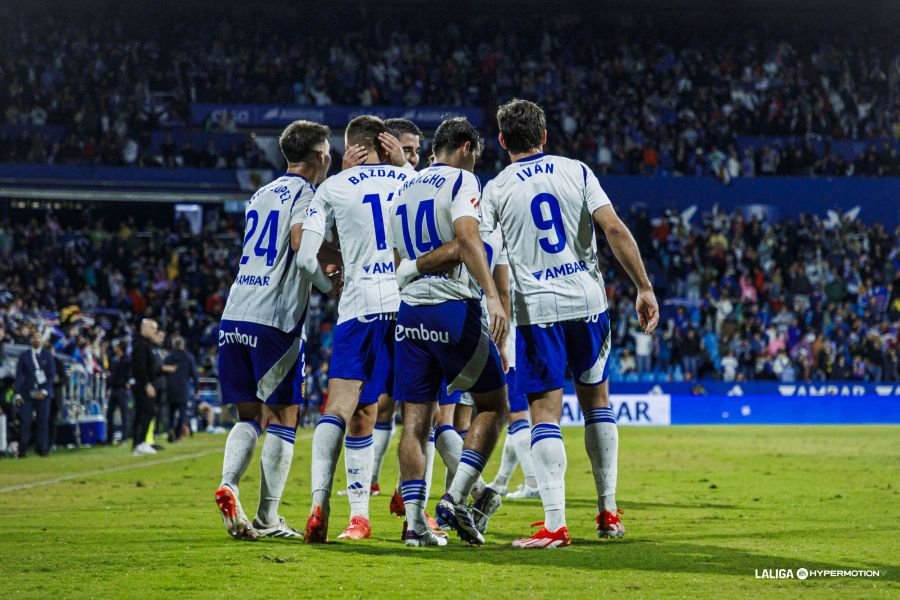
601,441
540,371
343,395
447,441
416,389
588,347
237,380
239,448
462,418
358,460
384,428
275,466
352,365
519,439
473,364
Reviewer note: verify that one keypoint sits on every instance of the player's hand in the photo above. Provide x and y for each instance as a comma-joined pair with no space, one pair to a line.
504,360
337,283
151,391
407,271
354,156
647,310
498,321
393,149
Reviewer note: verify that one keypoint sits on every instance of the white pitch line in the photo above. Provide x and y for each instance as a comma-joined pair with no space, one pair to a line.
130,467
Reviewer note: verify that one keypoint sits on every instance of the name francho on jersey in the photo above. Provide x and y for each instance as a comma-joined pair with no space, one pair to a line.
550,199
358,200
422,220
269,289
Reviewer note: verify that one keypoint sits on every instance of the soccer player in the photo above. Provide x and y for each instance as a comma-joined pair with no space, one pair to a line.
441,331
455,410
560,307
409,139
356,202
261,335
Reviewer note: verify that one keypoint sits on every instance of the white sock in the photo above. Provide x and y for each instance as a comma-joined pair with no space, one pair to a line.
413,492
327,441
382,438
549,455
450,446
471,464
277,455
239,451
521,443
508,459
601,440
429,464
359,456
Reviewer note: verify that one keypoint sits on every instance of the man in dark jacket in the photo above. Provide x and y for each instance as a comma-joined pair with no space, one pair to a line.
35,372
177,385
118,383
143,368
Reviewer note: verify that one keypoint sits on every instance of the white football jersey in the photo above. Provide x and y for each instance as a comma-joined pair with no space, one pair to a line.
422,219
496,253
269,289
543,204
358,201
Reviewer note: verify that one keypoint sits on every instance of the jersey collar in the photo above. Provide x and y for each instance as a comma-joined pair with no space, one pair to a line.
532,157
301,177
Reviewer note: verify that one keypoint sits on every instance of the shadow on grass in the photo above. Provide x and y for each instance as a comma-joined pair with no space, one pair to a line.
636,554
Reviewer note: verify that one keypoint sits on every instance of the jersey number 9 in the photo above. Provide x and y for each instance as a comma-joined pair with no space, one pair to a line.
553,222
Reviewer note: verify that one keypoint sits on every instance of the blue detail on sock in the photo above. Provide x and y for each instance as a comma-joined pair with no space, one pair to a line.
332,420
463,433
474,459
431,437
358,443
286,433
545,431
517,426
385,426
599,415
412,490
252,423
442,429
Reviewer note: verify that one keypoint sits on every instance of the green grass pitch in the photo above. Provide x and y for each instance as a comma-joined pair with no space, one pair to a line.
705,508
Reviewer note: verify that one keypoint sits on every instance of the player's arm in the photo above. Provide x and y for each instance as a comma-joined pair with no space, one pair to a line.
629,256
473,255
309,239
501,280
442,259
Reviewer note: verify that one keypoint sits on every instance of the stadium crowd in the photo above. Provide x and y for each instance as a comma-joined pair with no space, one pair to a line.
801,299
666,104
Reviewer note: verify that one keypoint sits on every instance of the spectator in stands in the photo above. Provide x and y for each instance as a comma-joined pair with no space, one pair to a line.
33,392
178,385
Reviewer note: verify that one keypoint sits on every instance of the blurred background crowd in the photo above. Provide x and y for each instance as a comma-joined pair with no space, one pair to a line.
645,98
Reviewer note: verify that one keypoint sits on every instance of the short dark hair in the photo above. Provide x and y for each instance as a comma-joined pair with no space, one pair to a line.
364,130
522,124
454,132
300,138
403,126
